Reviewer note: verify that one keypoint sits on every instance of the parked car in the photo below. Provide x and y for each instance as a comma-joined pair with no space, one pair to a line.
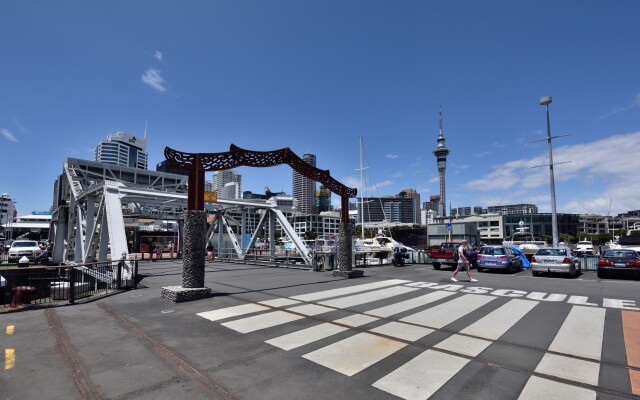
498,257
584,246
626,261
555,259
24,248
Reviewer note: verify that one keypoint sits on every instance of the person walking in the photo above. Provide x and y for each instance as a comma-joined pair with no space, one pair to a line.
210,252
463,262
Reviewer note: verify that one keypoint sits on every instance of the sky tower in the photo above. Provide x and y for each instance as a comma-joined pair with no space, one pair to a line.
441,153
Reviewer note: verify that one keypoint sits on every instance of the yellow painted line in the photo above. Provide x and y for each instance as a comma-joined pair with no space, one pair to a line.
10,330
9,358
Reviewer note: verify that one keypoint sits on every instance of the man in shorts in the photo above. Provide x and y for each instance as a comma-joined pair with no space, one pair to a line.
463,262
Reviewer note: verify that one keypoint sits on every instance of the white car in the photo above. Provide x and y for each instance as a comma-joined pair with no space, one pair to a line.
584,246
24,248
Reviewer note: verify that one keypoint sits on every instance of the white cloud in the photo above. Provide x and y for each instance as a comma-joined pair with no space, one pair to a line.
397,175
598,172
8,135
634,104
392,156
158,55
153,78
481,154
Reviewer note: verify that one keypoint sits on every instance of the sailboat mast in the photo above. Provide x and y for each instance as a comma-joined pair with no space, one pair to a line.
361,192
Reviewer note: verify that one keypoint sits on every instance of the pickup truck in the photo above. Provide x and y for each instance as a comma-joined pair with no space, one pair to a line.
443,254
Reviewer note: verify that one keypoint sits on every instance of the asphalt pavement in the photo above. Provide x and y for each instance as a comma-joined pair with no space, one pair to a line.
278,333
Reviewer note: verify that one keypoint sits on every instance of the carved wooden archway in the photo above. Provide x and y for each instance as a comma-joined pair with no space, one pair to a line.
198,163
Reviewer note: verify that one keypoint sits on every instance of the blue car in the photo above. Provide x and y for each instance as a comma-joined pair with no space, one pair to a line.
499,257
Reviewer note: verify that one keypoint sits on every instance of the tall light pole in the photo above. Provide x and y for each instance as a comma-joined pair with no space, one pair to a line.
545,101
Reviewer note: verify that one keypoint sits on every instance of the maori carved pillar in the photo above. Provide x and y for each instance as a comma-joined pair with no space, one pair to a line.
345,249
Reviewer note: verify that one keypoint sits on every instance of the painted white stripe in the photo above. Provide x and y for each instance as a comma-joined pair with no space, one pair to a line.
278,302
305,336
421,377
310,309
356,300
569,368
402,331
410,304
352,355
229,312
262,321
581,333
464,345
540,388
444,314
500,320
355,320
325,294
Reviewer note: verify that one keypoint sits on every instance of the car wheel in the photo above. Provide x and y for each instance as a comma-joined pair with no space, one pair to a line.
601,274
436,265
535,273
572,271
479,269
510,268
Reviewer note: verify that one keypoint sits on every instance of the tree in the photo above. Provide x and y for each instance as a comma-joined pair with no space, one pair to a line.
310,235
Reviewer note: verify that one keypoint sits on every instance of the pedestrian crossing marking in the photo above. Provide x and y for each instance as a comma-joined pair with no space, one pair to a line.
305,336
565,359
407,332
318,332
281,302
229,312
422,376
325,294
569,368
539,388
10,329
310,309
464,345
585,323
9,358
352,355
444,314
500,320
364,298
410,304
262,321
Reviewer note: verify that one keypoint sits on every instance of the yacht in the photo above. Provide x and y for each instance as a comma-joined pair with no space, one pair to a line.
525,241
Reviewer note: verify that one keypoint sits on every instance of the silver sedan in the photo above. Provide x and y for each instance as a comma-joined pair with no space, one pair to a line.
555,259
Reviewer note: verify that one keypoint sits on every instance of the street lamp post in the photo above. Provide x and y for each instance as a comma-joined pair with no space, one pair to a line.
545,101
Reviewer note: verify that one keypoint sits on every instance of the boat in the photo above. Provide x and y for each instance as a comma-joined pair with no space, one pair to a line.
525,241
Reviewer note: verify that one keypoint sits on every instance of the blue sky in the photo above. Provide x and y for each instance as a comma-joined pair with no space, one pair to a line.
316,75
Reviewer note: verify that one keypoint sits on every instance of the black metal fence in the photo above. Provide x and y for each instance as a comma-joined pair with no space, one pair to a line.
32,285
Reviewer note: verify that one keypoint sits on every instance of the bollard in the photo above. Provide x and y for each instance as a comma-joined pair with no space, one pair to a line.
135,266
72,286
119,275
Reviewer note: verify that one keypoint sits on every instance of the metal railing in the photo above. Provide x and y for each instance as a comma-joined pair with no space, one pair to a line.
64,284
322,261
589,262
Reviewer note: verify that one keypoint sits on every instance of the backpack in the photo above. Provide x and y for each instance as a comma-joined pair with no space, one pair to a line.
456,255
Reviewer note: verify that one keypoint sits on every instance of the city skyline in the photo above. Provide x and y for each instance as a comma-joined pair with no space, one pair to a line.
315,77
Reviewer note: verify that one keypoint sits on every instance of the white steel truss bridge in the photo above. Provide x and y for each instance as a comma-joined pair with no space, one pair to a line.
93,199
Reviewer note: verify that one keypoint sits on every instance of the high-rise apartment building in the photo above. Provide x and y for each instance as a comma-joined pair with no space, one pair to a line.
304,189
221,178
123,149
412,194
231,190
7,210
